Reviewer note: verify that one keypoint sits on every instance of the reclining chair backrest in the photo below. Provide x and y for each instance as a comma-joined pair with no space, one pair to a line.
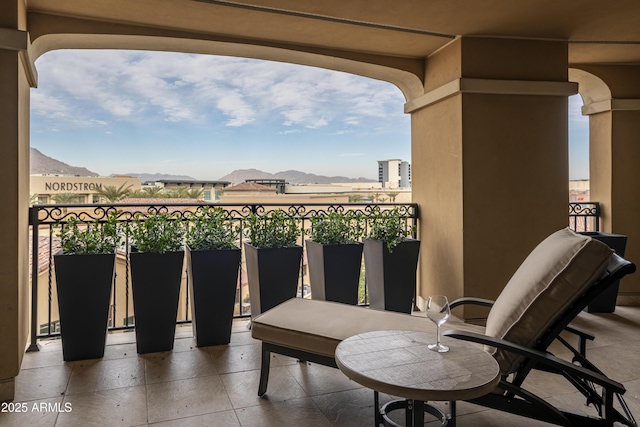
554,275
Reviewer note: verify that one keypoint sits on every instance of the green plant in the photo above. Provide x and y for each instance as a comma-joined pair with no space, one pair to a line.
212,228
273,230
195,193
113,194
389,226
65,198
148,193
79,237
336,228
158,233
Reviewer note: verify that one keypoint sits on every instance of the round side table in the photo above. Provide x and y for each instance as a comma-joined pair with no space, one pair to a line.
400,364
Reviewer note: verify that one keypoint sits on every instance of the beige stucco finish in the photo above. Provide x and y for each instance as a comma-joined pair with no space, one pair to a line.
612,101
493,168
14,252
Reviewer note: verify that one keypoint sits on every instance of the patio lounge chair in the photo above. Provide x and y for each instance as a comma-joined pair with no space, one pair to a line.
555,283
560,277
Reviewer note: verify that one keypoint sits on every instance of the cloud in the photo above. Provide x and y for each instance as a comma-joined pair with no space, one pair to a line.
239,112
206,90
575,112
351,120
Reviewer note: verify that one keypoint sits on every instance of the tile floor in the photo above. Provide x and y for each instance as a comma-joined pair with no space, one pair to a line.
217,386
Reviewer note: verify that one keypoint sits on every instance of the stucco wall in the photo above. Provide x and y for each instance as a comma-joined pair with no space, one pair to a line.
14,250
490,162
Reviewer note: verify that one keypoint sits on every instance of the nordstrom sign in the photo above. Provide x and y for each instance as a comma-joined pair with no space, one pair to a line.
72,186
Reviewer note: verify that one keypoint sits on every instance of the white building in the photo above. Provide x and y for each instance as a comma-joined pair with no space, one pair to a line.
394,173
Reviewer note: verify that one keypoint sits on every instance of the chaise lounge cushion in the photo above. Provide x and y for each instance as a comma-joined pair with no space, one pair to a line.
558,270
319,326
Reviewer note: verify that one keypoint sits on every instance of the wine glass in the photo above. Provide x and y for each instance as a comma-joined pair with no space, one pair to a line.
438,311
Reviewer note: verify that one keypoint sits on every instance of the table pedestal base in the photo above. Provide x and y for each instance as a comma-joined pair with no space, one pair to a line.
414,412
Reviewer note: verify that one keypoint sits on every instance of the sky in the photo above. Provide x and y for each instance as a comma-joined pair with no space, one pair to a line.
578,140
119,112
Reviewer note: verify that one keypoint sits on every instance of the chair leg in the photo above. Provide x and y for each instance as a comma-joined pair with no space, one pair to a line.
264,371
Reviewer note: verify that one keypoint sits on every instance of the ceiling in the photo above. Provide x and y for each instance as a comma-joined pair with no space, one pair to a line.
597,31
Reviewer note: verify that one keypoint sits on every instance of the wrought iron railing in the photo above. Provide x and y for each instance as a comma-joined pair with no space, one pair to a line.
45,220
584,216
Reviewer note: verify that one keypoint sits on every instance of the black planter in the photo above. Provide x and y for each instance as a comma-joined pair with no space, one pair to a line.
84,290
334,271
391,276
272,274
155,281
213,279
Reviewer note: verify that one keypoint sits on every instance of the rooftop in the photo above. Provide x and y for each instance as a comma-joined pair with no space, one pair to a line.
192,182
250,186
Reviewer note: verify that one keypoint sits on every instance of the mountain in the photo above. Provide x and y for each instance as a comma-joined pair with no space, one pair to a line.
241,175
41,164
297,177
151,177
290,176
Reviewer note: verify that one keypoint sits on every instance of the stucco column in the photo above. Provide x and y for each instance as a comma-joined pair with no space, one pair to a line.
16,72
489,160
611,96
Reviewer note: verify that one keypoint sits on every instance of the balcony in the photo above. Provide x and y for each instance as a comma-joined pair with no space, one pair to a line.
218,385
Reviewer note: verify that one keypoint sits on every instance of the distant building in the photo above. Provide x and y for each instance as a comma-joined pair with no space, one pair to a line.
252,192
394,173
83,188
249,188
210,189
579,191
278,184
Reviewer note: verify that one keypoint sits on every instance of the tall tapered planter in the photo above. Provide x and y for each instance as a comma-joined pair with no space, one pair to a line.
272,274
155,281
84,289
391,275
213,280
334,271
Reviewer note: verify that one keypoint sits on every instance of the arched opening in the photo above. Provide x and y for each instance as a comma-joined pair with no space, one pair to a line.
578,151
592,92
196,117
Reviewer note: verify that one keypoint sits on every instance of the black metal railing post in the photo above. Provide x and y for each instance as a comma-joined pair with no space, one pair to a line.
414,223
35,246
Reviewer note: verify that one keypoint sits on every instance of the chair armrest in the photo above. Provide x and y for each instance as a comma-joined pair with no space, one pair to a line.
472,301
545,359
584,335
